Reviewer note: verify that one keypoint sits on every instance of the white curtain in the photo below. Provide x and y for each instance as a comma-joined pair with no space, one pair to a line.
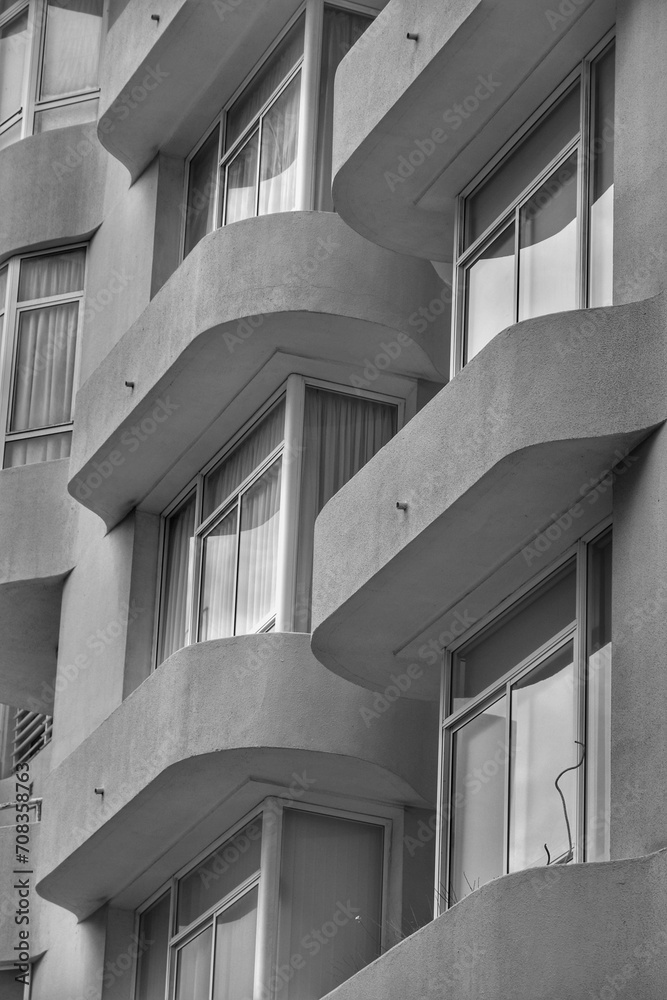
44,377
327,862
242,182
341,433
280,135
235,936
52,274
13,48
71,49
341,30
193,976
178,582
216,617
258,551
224,479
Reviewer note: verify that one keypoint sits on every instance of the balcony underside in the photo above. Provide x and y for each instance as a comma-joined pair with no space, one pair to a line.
303,285
436,110
560,933
208,735
516,440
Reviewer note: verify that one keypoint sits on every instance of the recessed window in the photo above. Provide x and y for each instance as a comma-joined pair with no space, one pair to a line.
40,314
270,150
49,56
536,233
526,732
238,547
212,935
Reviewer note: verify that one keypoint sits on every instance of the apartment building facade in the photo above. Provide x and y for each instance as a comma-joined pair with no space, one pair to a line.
333,471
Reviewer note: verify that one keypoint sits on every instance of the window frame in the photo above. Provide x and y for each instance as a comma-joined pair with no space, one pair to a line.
10,311
575,632
293,390
33,70
268,877
309,66
581,143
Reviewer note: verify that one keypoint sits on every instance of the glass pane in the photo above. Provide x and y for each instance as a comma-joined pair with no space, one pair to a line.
490,293
46,448
51,274
598,741
265,83
543,734
72,46
548,276
216,616
152,963
235,936
602,195
10,135
258,551
280,135
13,49
220,873
178,579
517,634
331,887
477,805
63,117
3,287
201,191
44,374
341,30
257,445
242,182
193,968
341,433
522,165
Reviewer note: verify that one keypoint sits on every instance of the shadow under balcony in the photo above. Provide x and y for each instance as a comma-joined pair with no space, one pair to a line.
437,108
518,438
198,744
300,286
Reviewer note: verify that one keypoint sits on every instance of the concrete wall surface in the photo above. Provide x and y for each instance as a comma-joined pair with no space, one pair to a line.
303,283
212,717
37,536
571,932
51,189
512,442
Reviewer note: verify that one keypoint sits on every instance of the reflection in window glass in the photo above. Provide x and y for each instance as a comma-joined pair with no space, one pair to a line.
543,734
71,48
201,191
602,196
280,136
13,49
216,616
152,962
490,293
598,773
258,551
177,582
65,115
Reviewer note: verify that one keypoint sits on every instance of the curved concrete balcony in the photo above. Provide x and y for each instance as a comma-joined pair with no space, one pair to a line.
155,93
299,284
198,744
437,109
37,524
566,932
51,189
514,441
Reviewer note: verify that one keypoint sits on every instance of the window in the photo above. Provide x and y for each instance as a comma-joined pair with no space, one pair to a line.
262,916
49,54
270,150
535,236
22,735
40,313
526,706
238,546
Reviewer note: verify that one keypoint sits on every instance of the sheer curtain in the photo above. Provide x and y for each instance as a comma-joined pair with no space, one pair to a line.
258,551
216,616
72,46
327,865
341,433
178,579
193,976
13,49
280,135
242,182
341,30
235,937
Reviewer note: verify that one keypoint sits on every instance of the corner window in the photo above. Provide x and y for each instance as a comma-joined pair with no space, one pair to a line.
238,547
289,906
49,55
535,236
270,150
526,731
40,312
